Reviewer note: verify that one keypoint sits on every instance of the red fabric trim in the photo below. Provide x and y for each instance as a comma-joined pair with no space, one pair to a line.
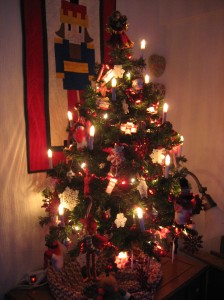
34,68
108,8
74,98
58,157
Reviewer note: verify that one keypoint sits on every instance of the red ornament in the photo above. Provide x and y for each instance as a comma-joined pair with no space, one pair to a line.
87,180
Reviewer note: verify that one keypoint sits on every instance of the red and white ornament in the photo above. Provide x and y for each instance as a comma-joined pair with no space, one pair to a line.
129,128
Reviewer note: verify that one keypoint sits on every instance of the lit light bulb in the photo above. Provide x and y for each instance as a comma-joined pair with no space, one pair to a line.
128,75
181,139
50,160
147,78
167,165
114,82
151,109
139,212
69,116
143,43
61,209
92,131
83,165
167,160
49,153
165,107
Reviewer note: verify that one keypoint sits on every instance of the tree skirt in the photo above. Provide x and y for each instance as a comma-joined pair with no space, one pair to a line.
67,283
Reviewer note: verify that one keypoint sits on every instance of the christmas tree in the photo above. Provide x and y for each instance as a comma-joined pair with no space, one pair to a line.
123,183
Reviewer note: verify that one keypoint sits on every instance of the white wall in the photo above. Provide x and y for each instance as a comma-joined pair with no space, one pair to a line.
189,33
21,239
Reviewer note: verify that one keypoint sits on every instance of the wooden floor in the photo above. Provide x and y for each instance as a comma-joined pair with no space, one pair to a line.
185,278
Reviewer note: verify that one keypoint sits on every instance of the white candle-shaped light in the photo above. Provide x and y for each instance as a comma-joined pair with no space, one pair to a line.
50,158
91,137
143,43
140,218
61,215
167,165
180,146
165,109
114,84
147,78
70,118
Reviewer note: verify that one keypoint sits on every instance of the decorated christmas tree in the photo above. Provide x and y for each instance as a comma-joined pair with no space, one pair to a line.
123,186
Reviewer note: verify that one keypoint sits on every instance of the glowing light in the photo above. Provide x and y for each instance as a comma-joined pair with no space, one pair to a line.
49,153
151,109
165,107
167,165
143,44
83,165
92,131
139,212
61,210
69,116
114,82
122,255
132,180
167,160
105,116
128,75
121,259
147,78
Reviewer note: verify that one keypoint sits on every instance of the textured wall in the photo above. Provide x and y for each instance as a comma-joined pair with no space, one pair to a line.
21,239
190,34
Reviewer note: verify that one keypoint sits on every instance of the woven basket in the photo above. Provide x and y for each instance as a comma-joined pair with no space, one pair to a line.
67,283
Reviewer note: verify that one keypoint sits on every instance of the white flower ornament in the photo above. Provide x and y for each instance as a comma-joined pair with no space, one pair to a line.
120,220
